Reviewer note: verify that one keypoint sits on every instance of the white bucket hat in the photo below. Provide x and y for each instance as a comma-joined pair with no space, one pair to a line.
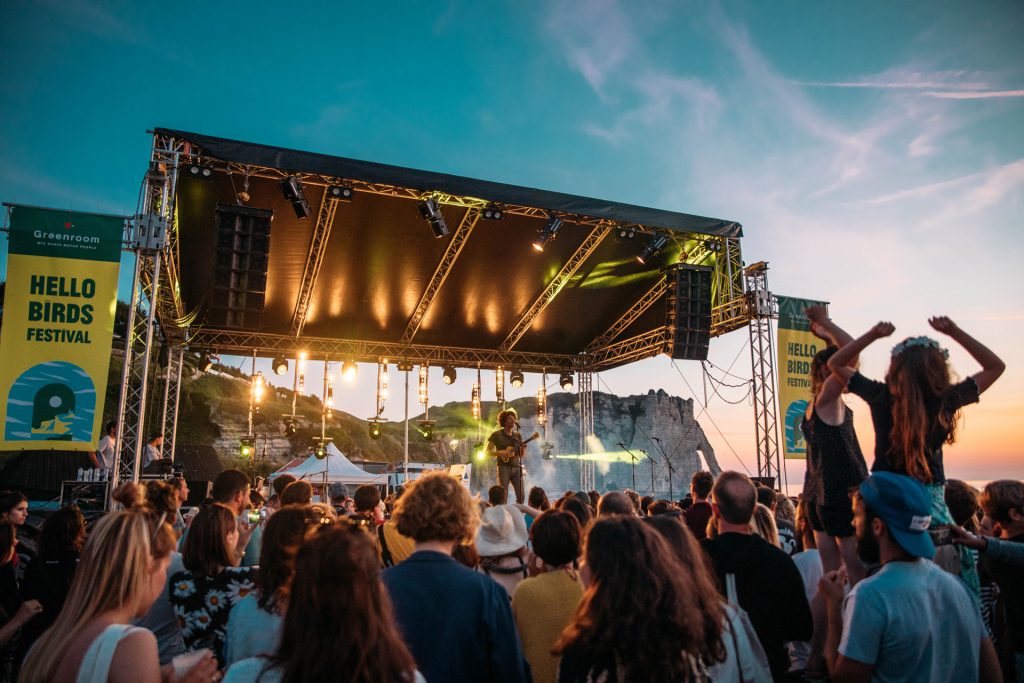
502,531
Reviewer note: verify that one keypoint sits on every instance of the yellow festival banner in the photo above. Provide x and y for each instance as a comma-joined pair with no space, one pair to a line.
57,327
796,347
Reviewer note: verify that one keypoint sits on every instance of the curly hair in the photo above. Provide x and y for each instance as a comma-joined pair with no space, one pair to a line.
640,611
162,497
436,507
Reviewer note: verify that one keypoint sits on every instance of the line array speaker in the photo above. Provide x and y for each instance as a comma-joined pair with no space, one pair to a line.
688,311
240,266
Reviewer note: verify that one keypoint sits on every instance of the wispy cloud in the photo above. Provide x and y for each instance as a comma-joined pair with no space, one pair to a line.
22,181
981,95
597,37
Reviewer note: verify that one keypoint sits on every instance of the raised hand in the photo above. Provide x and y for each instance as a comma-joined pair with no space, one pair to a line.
816,314
833,585
943,324
964,537
882,329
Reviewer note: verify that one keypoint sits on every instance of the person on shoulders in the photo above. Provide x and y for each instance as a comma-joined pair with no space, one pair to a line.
910,618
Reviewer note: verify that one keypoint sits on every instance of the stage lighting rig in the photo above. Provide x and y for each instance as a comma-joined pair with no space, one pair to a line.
342,193
493,212
280,365
291,188
289,428
624,232
349,370
430,210
247,446
374,427
426,429
548,232
448,376
565,380
199,171
652,248
515,378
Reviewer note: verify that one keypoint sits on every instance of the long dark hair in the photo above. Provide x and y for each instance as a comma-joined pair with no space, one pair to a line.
281,539
206,551
917,378
339,616
62,531
705,589
640,613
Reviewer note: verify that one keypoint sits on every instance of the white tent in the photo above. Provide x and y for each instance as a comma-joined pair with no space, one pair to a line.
337,467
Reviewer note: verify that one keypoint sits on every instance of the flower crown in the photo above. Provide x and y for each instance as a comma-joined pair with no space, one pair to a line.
926,342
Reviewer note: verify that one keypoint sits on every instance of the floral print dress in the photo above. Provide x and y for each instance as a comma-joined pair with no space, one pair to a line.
202,605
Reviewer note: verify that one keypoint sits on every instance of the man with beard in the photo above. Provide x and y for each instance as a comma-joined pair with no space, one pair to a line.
910,621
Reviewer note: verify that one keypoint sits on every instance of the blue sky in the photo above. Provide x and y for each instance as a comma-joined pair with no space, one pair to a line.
873,151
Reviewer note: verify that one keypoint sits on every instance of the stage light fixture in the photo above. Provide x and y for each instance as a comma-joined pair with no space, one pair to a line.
342,193
548,232
542,403
713,245
200,171
374,427
493,212
474,402
448,377
515,378
426,429
499,384
289,428
247,446
625,232
651,249
565,380
479,451
424,395
349,370
431,213
291,187
280,365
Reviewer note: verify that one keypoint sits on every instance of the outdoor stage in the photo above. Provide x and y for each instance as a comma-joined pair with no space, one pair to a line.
255,250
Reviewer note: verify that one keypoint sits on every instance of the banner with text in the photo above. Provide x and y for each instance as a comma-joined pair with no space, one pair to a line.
57,327
796,347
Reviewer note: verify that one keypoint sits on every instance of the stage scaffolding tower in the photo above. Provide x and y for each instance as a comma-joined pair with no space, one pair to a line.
762,308
148,239
586,397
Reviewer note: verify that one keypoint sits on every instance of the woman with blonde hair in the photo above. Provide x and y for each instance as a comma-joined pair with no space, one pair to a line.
763,524
122,570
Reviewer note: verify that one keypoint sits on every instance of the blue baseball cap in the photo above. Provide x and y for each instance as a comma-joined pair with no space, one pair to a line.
905,506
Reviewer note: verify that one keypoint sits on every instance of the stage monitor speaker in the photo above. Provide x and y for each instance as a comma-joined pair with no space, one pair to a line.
688,311
241,251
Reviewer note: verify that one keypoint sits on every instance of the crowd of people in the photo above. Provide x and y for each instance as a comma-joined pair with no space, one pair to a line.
736,582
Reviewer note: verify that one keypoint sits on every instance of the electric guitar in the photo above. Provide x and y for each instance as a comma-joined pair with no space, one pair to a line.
507,455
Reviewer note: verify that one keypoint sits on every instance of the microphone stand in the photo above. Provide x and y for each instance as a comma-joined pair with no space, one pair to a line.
632,465
668,462
652,469
520,453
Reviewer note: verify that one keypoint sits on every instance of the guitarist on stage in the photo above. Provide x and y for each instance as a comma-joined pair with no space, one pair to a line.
506,444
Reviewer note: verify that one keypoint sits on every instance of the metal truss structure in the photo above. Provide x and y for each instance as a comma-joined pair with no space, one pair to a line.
573,264
156,309
311,272
761,305
172,392
588,480
154,254
451,255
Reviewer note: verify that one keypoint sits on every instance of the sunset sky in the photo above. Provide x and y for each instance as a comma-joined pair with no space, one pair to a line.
874,152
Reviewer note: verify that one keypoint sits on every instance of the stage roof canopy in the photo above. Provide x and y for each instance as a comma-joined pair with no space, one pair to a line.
365,278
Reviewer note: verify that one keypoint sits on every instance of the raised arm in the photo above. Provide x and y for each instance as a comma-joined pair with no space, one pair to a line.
991,365
848,352
823,326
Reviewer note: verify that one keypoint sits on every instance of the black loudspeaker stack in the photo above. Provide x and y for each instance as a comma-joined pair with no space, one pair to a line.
688,311
240,268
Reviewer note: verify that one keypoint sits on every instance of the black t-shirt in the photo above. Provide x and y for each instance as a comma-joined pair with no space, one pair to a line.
879,400
768,587
501,441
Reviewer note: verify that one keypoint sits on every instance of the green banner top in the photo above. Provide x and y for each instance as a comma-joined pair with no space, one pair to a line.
791,312
65,234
